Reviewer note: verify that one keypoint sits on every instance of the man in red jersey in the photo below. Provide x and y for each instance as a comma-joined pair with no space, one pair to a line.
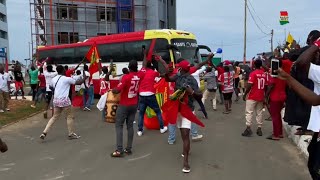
254,97
147,93
127,108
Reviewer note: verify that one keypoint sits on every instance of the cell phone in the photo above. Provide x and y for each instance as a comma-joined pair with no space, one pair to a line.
275,63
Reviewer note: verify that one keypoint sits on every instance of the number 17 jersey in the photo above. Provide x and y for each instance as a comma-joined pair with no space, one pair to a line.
129,87
258,79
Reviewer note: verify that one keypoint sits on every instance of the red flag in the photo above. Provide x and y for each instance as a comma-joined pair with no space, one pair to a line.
93,57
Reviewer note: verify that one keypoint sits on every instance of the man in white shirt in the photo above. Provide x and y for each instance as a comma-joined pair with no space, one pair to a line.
48,74
306,61
4,90
87,90
61,101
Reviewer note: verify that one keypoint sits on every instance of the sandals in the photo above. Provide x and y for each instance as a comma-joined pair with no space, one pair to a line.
271,137
117,154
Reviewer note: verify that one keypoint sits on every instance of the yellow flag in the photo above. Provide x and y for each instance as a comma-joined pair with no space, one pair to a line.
290,39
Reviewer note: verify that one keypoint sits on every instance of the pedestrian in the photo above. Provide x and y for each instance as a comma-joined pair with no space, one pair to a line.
195,136
275,98
147,93
105,83
3,146
220,71
41,91
4,90
49,74
211,79
226,80
127,108
183,79
19,80
312,98
33,74
254,97
87,90
61,101
237,72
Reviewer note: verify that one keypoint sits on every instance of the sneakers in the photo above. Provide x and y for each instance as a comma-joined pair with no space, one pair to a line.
7,109
247,132
33,106
259,131
43,135
186,170
140,133
73,136
86,109
164,129
1,111
197,138
171,142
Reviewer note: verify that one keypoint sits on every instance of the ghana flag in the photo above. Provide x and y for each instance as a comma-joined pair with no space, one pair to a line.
284,18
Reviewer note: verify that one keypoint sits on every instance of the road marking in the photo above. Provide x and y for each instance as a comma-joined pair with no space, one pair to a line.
55,178
142,157
47,158
10,164
5,169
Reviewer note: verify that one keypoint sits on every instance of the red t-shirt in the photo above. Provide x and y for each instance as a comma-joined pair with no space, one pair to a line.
129,87
278,92
220,71
147,81
193,69
286,65
69,72
42,80
258,79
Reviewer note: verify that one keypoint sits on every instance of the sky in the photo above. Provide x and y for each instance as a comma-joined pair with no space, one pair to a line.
217,24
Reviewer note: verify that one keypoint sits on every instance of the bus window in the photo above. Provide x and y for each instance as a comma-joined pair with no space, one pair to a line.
161,48
110,51
133,50
187,48
80,53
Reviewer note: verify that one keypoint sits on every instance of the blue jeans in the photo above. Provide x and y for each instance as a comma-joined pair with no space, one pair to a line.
87,92
172,132
149,101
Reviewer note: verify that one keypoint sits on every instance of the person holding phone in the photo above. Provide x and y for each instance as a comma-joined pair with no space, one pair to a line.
275,98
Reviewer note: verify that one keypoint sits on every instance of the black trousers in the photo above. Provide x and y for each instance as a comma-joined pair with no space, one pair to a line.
314,157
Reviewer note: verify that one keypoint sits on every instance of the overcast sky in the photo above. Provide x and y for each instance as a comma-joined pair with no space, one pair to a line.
214,22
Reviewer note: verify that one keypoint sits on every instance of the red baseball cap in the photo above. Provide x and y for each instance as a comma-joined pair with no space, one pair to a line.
227,63
184,65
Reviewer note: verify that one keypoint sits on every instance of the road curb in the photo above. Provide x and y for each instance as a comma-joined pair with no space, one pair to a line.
22,119
302,142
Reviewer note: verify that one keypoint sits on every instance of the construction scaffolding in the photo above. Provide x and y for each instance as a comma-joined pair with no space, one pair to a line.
69,21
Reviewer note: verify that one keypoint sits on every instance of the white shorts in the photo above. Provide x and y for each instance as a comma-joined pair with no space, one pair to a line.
183,122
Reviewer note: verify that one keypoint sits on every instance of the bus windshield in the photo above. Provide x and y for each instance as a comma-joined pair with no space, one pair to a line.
187,49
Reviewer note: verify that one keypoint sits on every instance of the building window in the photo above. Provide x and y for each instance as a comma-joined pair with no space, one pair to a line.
67,11
73,12
74,37
3,34
126,14
161,24
3,17
101,14
63,38
172,3
3,2
101,34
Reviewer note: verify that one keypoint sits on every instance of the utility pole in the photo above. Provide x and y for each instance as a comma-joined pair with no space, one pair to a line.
245,32
105,15
271,40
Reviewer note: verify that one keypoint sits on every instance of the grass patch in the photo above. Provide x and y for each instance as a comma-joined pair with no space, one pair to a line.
19,109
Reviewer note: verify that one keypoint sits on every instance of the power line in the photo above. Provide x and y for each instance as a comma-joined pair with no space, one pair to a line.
268,27
256,22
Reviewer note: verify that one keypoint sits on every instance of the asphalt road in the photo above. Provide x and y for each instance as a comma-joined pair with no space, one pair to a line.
223,154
